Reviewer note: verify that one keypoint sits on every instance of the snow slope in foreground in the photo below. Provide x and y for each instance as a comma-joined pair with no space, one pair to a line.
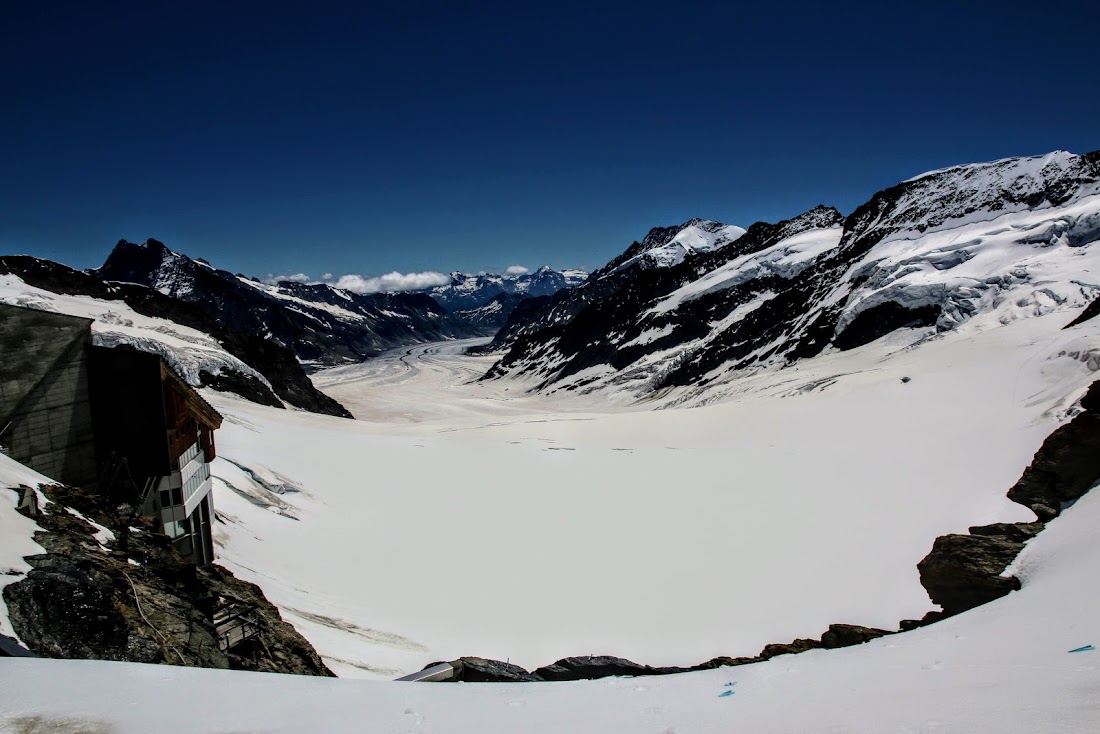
523,529
16,531
1003,668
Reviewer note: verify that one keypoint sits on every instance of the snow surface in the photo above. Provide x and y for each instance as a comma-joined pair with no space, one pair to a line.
544,529
786,259
1004,668
1016,265
470,518
276,291
16,531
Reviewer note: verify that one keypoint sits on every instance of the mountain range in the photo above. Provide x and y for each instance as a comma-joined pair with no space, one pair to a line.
468,292
687,307
693,304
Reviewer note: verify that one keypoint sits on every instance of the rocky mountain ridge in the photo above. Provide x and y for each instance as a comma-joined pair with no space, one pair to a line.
320,324
996,238
468,292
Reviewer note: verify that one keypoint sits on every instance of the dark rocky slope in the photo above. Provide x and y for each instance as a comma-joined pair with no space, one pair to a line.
135,599
791,308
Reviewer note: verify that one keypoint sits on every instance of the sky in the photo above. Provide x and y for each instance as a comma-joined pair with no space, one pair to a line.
368,139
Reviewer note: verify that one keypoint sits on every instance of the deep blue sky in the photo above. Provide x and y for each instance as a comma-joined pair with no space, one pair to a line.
353,138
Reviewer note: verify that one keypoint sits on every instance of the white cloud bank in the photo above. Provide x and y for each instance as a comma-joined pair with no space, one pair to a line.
390,282
516,270
272,279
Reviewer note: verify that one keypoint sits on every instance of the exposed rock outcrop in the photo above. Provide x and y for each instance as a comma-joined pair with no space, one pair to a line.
61,610
588,667
847,635
1066,465
591,667
92,597
483,670
964,571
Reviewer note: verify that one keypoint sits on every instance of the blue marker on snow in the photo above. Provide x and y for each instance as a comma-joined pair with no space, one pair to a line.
730,684
727,693
1086,648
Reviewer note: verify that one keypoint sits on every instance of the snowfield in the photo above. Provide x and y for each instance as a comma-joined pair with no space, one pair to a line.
459,517
1005,668
472,518
467,518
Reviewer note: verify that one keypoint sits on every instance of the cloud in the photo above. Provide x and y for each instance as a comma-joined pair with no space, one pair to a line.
390,282
516,270
296,278
326,276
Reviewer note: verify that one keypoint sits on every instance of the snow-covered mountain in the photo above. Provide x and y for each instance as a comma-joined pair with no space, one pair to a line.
693,304
321,324
467,292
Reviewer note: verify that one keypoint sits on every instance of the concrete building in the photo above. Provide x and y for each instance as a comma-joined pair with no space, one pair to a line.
118,421
45,411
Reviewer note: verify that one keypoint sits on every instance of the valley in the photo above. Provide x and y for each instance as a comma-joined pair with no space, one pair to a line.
473,522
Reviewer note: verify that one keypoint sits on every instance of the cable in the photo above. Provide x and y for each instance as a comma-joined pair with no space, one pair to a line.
162,637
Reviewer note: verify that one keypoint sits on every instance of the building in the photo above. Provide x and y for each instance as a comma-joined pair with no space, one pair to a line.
118,421
154,436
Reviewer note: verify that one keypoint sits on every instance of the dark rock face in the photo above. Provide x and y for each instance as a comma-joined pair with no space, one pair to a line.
1091,311
846,635
81,600
789,648
881,320
483,670
494,313
62,611
1066,465
964,571
593,666
247,386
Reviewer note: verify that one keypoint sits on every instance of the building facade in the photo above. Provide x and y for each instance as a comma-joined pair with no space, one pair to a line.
45,410
118,420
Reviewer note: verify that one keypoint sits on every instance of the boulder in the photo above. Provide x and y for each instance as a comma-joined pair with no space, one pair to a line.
484,670
589,667
725,662
964,571
846,635
788,648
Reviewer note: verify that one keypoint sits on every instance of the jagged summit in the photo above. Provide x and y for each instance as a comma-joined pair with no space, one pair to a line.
668,246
